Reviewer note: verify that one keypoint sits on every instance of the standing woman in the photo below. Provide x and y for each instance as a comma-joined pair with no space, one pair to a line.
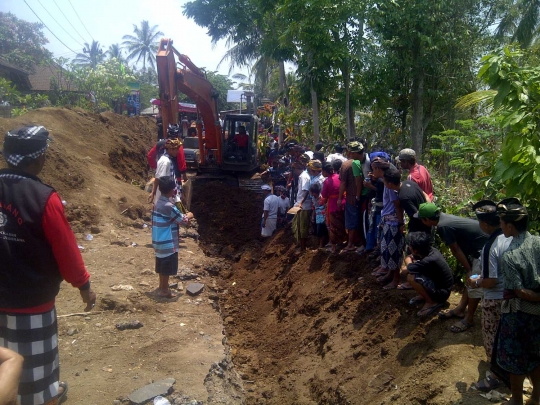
518,345
335,214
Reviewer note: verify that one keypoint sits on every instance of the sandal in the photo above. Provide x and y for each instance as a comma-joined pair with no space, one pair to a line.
428,311
487,384
62,396
460,326
416,300
450,314
404,286
348,250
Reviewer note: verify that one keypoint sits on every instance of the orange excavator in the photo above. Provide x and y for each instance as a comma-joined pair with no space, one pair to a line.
228,146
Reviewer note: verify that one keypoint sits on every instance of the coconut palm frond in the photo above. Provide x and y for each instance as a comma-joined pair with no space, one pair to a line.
476,98
143,45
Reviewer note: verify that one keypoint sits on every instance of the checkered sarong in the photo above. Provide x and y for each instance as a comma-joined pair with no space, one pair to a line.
35,337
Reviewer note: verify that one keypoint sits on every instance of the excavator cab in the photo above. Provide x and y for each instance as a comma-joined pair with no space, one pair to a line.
239,139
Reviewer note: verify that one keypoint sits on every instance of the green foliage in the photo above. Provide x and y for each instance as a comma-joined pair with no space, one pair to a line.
91,57
221,84
22,103
22,43
466,155
108,82
8,92
517,99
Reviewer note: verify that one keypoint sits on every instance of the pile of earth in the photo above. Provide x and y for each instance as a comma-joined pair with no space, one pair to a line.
95,161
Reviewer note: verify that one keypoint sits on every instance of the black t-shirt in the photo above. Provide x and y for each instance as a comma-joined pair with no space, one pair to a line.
465,232
434,267
410,197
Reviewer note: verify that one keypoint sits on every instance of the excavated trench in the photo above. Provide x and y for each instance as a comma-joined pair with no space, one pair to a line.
318,329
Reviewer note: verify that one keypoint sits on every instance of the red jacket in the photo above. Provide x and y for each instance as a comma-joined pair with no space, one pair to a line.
152,157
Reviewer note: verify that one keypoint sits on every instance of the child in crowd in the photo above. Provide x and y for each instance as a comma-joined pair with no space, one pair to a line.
165,220
284,205
319,215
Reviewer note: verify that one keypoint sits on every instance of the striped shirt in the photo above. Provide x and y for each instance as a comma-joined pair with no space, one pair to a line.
165,220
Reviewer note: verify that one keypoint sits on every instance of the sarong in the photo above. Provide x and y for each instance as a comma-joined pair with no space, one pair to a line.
491,315
268,230
518,346
301,224
35,337
392,243
337,227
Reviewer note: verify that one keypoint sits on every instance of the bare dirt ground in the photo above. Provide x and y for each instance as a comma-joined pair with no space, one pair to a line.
310,329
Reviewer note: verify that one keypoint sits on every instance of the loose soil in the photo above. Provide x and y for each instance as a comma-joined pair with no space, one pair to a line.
299,329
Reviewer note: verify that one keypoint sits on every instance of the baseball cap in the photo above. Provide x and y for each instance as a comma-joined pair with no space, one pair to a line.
427,210
266,187
407,154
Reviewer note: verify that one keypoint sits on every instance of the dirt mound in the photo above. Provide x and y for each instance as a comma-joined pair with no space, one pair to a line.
96,162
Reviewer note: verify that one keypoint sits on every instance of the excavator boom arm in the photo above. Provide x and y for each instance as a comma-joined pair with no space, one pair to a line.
191,81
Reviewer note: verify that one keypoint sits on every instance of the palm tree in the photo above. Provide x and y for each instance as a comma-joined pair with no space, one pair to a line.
521,22
115,51
92,55
143,44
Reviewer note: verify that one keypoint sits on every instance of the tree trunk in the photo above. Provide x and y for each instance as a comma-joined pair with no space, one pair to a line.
417,128
283,92
352,116
347,86
315,108
282,79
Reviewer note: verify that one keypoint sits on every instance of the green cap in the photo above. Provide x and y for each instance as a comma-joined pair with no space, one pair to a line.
427,210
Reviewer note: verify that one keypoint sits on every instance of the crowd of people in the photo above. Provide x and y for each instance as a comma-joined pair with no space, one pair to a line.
354,202
361,203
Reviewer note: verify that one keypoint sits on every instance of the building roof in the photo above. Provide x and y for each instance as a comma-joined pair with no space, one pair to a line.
40,80
14,74
10,66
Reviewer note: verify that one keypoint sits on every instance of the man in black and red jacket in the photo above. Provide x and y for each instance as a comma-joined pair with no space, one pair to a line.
38,250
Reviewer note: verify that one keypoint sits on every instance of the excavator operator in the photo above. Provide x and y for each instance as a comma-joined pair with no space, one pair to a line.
241,139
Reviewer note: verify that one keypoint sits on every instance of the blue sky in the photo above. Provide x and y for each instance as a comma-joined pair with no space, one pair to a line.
107,21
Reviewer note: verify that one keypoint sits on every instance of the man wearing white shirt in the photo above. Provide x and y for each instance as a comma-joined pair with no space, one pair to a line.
270,212
338,154
303,201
